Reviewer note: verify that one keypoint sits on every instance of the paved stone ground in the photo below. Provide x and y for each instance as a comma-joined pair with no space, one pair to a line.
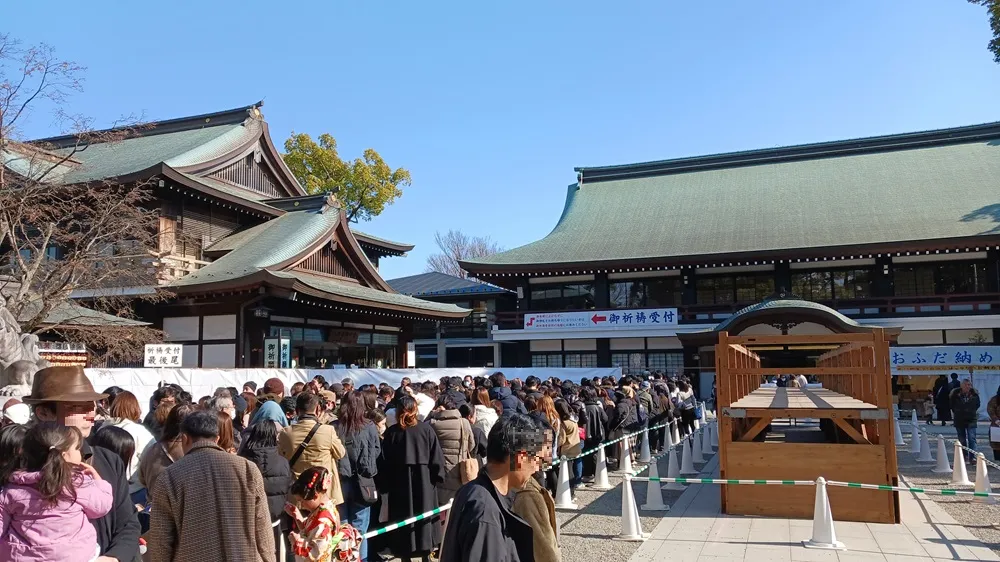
980,518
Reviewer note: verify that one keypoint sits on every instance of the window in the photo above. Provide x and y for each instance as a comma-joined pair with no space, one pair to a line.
851,284
813,285
753,288
580,360
649,293
941,279
715,290
563,297
670,362
539,360
668,291
628,294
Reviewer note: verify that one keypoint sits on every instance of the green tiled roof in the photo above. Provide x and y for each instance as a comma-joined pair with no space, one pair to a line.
769,200
228,188
72,314
355,291
266,245
176,149
775,304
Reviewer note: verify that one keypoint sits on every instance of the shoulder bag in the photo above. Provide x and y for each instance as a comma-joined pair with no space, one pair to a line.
468,466
302,445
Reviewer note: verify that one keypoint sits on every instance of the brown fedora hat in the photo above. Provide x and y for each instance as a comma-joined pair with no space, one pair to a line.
62,384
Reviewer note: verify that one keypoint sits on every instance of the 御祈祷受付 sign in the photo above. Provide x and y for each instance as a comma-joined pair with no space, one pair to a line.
601,319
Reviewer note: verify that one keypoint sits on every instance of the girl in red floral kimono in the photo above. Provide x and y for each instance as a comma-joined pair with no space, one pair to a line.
319,536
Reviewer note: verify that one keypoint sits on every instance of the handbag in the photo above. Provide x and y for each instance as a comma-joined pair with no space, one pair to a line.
468,466
994,434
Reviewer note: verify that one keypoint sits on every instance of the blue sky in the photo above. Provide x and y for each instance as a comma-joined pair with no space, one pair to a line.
490,105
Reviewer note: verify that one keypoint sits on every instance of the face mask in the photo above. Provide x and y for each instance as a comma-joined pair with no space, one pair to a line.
232,414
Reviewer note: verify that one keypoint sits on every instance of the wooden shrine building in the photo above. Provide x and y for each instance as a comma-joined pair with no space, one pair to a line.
247,254
839,428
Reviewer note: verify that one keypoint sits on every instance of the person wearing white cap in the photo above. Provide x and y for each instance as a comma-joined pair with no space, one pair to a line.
15,413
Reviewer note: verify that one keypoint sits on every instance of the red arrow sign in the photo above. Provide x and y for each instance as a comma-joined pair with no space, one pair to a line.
597,319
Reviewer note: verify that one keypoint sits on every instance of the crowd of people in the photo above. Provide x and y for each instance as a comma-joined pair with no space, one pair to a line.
303,473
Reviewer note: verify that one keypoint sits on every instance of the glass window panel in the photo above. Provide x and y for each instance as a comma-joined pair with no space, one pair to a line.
657,361
538,360
664,292
588,359
961,278
554,360
913,281
715,290
813,285
724,290
619,293
753,288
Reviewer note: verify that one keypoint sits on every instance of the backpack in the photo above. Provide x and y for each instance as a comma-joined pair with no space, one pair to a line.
642,415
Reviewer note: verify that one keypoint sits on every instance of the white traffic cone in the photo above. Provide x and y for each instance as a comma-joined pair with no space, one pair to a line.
925,449
668,437
696,455
654,499
687,465
673,471
899,433
677,432
823,534
625,456
943,466
913,417
564,494
915,439
960,475
631,527
644,454
706,440
601,481
697,424
704,419
715,435
983,479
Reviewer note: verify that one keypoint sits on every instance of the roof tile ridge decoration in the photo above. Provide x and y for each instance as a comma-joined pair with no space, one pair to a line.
378,241
214,119
823,149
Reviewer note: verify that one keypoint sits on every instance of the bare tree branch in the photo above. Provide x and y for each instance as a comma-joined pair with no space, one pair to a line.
456,246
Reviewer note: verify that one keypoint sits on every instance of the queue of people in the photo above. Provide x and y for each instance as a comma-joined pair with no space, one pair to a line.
258,474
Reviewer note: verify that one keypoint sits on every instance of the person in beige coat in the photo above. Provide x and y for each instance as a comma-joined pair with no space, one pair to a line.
534,504
457,444
324,449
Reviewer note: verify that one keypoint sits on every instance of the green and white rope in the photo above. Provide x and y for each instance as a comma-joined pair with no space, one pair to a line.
666,452
725,481
408,521
856,485
885,488
949,439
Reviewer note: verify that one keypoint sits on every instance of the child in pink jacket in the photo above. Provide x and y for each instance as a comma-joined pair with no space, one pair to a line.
46,502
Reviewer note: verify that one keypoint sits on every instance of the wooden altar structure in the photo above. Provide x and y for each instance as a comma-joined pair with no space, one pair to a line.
854,410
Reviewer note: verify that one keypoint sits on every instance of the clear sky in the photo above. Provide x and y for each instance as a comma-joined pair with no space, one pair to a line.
490,105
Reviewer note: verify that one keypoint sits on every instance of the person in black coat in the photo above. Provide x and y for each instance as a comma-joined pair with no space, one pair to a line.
596,429
469,413
481,525
409,471
65,396
260,446
502,392
942,399
360,465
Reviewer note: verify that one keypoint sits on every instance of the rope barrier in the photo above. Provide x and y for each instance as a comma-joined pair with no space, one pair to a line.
858,485
666,451
408,521
882,487
950,439
593,450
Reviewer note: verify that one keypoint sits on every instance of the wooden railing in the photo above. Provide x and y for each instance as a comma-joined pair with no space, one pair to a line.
173,266
939,305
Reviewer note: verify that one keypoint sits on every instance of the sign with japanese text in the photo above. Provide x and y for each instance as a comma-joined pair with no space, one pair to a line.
944,359
602,319
277,353
163,355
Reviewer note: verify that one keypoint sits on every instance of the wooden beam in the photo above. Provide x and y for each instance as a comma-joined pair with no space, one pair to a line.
795,340
755,429
850,431
772,371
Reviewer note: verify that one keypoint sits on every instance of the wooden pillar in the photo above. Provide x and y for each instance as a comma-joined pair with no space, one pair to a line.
603,352
602,295
688,278
882,279
783,277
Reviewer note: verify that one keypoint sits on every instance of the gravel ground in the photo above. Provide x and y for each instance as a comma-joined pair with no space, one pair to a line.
591,529
981,519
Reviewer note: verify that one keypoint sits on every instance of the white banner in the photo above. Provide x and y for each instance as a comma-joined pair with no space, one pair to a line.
163,355
602,319
944,359
203,382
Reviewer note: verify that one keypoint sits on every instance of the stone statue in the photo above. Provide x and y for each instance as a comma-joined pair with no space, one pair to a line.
19,355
